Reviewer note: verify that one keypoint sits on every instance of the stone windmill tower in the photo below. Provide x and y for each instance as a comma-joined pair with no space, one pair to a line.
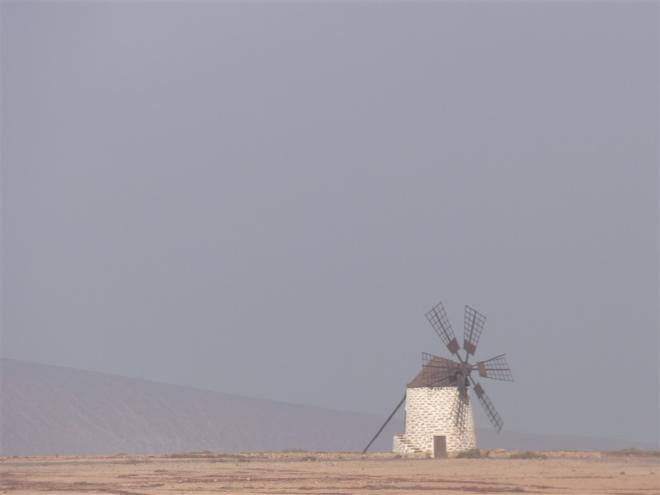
433,421
438,408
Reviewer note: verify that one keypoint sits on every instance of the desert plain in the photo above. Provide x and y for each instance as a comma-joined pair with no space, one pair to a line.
315,473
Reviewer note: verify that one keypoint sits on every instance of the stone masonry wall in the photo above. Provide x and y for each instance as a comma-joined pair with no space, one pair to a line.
429,413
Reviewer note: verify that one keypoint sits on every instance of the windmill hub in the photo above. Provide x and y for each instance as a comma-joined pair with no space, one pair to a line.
463,374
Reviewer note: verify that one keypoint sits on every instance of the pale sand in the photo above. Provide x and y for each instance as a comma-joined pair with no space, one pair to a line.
331,473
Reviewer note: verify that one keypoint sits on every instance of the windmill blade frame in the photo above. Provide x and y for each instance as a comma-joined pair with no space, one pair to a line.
428,358
495,368
433,361
488,406
437,317
473,326
436,367
432,376
460,409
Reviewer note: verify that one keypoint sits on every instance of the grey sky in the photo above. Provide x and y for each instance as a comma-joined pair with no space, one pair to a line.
265,199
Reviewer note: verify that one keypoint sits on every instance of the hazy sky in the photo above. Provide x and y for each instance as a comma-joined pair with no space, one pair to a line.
265,199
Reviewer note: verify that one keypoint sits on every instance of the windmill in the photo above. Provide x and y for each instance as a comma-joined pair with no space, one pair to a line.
438,407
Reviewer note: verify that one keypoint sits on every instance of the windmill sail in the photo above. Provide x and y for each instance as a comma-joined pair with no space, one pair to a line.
437,317
495,368
436,372
473,325
488,406
460,409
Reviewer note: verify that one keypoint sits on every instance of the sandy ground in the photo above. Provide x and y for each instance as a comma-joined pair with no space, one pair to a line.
332,473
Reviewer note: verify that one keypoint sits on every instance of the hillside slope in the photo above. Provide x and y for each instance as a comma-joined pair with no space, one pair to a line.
47,410
55,410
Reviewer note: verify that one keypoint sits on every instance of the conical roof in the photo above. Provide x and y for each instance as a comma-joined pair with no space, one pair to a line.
437,372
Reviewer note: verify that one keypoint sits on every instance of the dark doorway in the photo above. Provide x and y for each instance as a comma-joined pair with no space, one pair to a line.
439,447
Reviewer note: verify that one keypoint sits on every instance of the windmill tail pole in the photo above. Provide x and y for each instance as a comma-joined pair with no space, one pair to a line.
384,424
